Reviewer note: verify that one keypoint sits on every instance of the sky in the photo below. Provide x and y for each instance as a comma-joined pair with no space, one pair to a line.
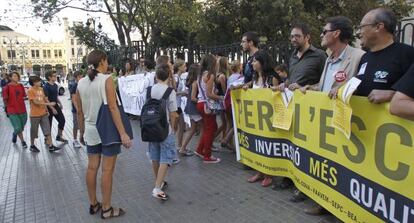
16,14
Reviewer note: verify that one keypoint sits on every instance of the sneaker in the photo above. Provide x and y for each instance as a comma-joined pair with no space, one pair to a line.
53,148
34,149
186,153
14,138
24,145
60,139
175,161
76,144
211,159
159,194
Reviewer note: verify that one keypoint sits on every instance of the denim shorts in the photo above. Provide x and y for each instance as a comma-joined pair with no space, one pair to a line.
163,152
111,150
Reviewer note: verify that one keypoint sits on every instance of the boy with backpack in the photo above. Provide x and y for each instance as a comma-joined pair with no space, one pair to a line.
158,125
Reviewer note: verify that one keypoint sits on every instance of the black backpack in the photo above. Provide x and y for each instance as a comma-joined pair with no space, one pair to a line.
154,123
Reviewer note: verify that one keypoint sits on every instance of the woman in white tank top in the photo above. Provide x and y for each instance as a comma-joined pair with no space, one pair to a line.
206,92
89,98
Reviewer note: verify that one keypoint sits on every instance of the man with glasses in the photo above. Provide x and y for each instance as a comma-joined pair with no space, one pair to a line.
306,63
386,61
341,65
343,61
305,68
249,43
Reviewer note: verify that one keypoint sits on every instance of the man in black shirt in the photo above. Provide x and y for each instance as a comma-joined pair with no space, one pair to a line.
386,61
250,41
51,91
306,63
402,103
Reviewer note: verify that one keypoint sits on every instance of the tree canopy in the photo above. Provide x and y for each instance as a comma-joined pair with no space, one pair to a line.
184,23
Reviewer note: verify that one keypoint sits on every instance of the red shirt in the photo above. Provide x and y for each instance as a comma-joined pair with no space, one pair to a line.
14,95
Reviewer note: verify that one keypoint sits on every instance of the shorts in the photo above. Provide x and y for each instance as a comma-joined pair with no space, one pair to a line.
44,123
111,150
75,121
163,152
18,122
196,118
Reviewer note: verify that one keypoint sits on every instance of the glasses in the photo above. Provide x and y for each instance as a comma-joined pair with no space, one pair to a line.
295,36
368,24
325,31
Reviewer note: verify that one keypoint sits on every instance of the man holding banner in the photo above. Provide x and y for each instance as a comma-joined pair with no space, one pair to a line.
341,65
305,68
386,61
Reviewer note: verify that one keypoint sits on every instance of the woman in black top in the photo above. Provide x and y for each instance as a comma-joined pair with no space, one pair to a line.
221,86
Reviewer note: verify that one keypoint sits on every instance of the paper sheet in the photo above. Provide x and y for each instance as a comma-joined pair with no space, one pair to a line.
282,110
342,112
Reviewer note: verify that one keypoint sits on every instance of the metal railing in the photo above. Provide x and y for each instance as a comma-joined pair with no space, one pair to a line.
280,50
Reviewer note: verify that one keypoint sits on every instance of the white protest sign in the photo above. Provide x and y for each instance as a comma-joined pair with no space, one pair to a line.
133,90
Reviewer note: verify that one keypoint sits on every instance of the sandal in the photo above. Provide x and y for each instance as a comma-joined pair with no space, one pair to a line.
160,195
112,213
255,178
93,209
185,153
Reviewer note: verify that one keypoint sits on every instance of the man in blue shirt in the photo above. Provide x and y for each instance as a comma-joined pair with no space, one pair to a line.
249,43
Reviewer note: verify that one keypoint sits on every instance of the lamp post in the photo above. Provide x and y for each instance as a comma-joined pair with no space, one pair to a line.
10,42
91,21
23,55
77,58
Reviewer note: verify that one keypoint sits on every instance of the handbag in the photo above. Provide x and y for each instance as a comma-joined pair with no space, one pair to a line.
105,125
211,106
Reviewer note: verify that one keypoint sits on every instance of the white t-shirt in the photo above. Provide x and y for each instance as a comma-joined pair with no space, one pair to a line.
180,84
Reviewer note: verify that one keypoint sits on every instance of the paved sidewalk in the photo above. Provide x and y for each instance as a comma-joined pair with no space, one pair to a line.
50,187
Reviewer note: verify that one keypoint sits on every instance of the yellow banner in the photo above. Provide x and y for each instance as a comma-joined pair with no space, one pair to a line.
367,178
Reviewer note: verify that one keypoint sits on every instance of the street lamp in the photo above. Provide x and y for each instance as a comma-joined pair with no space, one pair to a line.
11,42
91,21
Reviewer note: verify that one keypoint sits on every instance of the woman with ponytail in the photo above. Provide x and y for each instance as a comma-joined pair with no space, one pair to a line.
89,100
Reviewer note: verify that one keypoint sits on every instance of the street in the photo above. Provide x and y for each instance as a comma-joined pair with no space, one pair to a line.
50,187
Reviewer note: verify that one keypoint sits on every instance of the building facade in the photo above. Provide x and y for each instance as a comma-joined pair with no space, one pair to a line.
29,56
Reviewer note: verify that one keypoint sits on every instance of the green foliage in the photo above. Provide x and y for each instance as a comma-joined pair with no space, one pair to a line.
183,23
93,39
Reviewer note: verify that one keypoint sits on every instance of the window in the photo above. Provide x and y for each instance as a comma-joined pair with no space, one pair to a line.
60,53
72,42
56,53
11,53
35,54
73,51
47,54
80,52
